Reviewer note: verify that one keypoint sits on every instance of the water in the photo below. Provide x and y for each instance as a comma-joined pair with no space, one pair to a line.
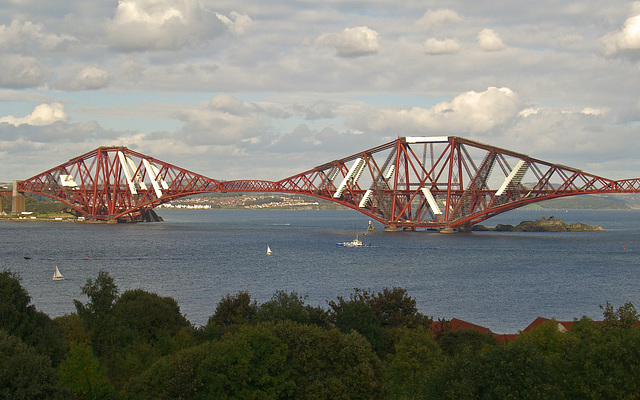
500,280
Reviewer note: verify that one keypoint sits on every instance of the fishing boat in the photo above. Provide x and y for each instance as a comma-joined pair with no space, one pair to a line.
354,243
57,276
268,250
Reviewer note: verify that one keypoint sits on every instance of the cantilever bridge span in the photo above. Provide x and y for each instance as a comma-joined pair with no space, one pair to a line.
443,182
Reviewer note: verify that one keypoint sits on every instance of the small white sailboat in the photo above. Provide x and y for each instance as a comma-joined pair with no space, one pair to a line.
268,250
57,276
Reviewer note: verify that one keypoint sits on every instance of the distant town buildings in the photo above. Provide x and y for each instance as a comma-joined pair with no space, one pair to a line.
242,201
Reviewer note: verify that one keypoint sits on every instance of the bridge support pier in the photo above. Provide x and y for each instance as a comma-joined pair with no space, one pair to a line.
390,228
17,200
460,229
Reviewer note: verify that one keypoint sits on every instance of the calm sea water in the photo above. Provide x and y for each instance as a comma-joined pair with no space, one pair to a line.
499,280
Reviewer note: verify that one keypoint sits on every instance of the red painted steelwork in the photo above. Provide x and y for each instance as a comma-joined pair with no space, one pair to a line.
460,184
98,185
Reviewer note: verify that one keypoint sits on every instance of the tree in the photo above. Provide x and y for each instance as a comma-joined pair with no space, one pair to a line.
148,315
97,313
20,318
328,364
73,329
517,370
15,310
624,317
285,306
232,310
25,373
83,375
464,341
359,317
250,364
172,377
393,307
416,355
602,362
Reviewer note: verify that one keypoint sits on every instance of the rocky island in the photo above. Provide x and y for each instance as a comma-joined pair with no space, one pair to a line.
544,224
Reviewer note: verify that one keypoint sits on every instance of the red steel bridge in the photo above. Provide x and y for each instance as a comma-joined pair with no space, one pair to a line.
446,183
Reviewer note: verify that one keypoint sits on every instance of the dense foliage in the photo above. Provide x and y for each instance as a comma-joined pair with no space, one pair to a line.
138,345
34,203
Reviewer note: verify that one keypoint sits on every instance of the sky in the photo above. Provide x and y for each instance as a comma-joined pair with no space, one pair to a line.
248,89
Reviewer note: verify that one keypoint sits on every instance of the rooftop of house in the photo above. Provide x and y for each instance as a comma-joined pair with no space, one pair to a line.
455,324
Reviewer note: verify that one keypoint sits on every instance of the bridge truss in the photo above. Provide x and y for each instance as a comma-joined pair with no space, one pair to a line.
115,183
433,182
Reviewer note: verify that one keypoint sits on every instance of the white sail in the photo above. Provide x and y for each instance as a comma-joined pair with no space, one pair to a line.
268,250
57,276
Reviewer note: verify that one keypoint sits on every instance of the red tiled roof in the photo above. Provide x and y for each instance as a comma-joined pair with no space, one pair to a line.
455,323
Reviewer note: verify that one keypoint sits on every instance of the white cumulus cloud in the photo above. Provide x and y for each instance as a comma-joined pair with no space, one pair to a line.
435,46
225,120
43,114
352,42
468,112
88,78
21,72
21,34
489,40
162,24
437,17
238,23
627,39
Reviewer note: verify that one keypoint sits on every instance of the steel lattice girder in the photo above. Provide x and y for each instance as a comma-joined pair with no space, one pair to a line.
115,182
438,182
441,182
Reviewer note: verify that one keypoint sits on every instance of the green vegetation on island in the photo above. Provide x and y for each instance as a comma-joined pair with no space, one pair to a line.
138,345
543,224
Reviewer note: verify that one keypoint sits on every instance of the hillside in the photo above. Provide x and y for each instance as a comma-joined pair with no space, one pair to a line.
592,202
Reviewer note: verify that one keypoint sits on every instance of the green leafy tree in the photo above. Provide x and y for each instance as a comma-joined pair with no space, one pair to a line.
25,373
83,375
624,317
392,308
395,308
517,370
416,355
328,364
20,318
73,329
150,316
285,306
97,313
175,376
464,341
551,342
146,327
250,364
603,362
15,308
359,317
233,310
